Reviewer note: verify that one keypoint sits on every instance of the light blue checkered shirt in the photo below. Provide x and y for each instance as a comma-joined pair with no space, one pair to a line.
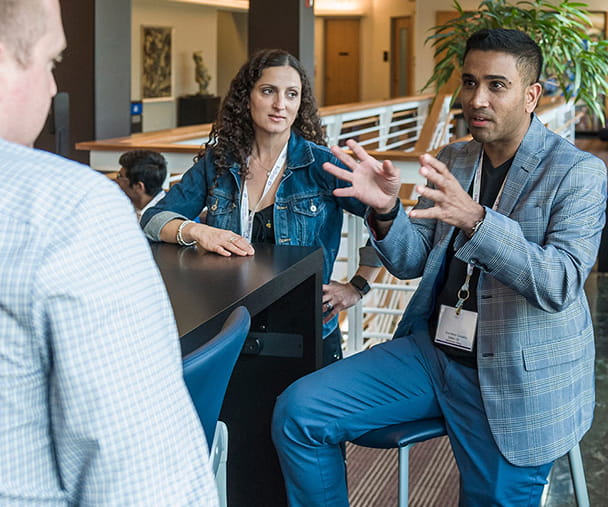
93,408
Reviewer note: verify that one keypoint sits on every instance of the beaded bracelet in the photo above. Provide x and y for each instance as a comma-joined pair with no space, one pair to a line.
180,238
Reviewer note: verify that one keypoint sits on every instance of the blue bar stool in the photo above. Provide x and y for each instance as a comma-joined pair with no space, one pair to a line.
207,372
405,435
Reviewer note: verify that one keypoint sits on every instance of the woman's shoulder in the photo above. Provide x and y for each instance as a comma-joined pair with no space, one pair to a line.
204,162
315,153
298,139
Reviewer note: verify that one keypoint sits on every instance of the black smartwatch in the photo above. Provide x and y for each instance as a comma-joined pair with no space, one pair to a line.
360,283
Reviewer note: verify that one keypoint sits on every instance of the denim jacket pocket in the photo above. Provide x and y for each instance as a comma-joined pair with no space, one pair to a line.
309,214
221,210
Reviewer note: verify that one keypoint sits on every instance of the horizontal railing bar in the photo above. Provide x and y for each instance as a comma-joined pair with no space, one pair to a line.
382,336
382,311
358,132
394,286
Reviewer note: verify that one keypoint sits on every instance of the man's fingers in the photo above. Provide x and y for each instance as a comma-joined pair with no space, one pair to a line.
441,180
430,161
431,213
432,194
346,192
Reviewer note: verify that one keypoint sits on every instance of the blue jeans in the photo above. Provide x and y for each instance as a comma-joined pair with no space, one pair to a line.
401,380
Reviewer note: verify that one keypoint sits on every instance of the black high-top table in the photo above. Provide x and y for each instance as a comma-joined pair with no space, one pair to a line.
281,288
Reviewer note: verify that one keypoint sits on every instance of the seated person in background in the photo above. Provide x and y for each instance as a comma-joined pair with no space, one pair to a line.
261,179
141,177
497,339
93,405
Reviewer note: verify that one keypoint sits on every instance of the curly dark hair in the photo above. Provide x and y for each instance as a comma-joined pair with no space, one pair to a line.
232,134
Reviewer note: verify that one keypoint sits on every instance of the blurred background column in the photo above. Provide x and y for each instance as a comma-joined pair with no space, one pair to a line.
284,24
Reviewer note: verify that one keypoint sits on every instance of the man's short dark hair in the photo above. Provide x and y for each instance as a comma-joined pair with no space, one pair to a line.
146,166
515,42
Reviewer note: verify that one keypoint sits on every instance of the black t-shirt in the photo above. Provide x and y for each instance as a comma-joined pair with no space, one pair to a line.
263,229
456,270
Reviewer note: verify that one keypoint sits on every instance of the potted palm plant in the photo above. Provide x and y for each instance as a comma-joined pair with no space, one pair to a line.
576,64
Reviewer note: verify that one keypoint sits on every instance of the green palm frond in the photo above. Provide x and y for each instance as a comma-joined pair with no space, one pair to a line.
579,66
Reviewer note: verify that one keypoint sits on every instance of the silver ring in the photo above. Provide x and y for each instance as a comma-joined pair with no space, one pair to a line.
329,307
232,239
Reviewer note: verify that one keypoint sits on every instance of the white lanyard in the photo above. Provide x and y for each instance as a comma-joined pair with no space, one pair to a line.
463,293
246,215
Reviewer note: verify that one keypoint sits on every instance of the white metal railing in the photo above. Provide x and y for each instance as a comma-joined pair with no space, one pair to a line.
388,125
381,126
394,125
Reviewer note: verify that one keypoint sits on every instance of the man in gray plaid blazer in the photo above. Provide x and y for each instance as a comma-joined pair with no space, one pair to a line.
498,338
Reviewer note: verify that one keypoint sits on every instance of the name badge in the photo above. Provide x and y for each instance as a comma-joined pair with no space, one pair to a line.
456,329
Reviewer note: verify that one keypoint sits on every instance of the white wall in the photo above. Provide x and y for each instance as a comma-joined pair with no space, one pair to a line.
231,47
195,28
223,38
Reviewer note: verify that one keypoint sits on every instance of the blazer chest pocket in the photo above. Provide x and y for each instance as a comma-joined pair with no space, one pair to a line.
552,354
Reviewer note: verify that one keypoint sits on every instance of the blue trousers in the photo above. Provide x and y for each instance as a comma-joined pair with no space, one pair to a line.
402,380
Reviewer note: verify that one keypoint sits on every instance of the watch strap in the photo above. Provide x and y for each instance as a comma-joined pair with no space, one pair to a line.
360,283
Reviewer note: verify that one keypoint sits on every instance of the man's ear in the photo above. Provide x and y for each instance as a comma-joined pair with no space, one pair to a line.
533,94
139,187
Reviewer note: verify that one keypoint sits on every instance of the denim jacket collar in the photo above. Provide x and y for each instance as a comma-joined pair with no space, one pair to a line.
299,154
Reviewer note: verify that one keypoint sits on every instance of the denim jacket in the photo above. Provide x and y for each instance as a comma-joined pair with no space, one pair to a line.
305,210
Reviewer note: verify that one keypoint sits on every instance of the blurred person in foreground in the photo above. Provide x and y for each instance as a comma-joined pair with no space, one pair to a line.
93,406
497,339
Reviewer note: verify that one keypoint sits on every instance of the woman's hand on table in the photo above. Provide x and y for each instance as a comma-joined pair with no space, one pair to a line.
220,241
337,297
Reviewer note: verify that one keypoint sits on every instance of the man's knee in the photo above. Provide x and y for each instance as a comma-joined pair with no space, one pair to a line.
289,413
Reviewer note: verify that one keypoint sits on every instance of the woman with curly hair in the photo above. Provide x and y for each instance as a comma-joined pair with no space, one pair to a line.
260,177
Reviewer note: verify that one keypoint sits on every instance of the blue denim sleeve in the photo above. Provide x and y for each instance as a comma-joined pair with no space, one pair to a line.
185,199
